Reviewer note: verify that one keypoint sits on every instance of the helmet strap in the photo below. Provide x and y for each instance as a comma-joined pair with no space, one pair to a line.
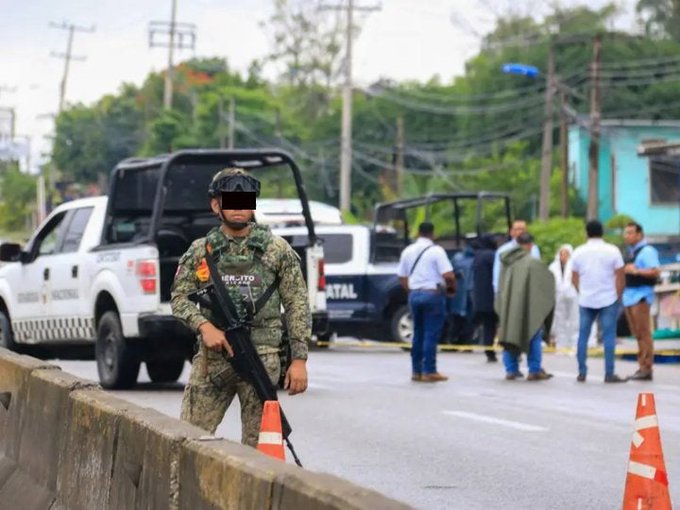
234,225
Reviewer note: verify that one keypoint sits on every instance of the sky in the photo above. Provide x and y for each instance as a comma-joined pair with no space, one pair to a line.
404,40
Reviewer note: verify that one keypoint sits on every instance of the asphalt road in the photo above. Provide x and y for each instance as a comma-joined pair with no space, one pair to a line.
476,442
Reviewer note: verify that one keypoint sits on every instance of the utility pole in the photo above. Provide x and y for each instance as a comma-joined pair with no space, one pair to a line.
278,135
399,159
546,152
346,135
68,56
564,155
179,36
167,89
220,122
232,121
40,198
595,109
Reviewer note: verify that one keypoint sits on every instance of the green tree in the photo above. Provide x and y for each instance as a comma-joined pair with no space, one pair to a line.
167,132
306,42
91,140
549,235
18,198
660,18
80,145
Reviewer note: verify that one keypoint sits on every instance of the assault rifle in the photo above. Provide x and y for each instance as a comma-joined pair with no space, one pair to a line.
246,361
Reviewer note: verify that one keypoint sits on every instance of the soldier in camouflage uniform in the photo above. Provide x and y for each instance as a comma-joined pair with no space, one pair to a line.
249,258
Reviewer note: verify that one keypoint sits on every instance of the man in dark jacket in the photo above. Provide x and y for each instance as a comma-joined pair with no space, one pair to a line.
526,298
482,294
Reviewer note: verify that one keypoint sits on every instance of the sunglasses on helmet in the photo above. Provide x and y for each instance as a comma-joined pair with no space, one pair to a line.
235,183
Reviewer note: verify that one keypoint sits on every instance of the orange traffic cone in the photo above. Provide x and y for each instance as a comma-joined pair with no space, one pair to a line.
647,481
270,441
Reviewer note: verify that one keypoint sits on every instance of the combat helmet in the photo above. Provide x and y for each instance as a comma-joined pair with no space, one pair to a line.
233,179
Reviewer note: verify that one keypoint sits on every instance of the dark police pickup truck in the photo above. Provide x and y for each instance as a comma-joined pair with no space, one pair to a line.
364,298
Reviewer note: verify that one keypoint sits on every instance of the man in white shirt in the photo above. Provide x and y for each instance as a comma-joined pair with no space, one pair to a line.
427,275
597,274
518,228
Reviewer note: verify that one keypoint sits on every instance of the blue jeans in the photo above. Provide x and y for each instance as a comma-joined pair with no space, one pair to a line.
534,356
587,316
427,310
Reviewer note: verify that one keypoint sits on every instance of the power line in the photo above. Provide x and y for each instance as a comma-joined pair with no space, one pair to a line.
390,95
411,148
445,157
642,82
638,112
453,96
645,62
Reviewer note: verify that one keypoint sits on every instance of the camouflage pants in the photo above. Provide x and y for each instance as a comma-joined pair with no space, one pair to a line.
213,383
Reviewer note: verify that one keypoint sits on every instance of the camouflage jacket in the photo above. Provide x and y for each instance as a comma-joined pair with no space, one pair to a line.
248,266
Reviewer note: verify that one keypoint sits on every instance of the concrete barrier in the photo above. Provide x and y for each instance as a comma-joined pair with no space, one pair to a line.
18,489
67,445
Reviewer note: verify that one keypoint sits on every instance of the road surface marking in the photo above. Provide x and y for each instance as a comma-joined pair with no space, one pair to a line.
497,421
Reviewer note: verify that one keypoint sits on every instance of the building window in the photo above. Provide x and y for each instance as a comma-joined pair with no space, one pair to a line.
664,181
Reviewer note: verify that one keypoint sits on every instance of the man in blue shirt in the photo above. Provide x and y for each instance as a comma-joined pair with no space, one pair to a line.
518,228
642,271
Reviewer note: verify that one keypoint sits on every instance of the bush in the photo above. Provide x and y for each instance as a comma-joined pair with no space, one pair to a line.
551,234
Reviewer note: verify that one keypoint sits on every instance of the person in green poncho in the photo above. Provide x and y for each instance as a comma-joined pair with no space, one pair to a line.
524,303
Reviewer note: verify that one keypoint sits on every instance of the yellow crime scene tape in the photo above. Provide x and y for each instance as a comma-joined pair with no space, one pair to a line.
592,351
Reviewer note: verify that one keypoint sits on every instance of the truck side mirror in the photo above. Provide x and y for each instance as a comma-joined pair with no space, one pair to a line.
10,252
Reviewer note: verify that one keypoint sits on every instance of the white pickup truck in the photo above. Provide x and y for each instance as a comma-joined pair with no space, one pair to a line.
98,271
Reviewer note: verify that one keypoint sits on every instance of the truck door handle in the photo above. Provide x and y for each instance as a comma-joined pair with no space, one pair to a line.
74,272
46,273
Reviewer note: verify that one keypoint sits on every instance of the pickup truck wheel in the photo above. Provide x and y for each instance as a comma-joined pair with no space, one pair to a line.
117,363
165,370
6,335
401,326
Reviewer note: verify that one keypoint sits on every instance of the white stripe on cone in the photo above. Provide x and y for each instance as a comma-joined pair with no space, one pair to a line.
643,470
646,422
270,438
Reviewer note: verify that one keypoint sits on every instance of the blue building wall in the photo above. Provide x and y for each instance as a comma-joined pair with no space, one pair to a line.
624,186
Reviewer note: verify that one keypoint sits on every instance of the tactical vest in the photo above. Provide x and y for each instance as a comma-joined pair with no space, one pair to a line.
247,278
636,280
